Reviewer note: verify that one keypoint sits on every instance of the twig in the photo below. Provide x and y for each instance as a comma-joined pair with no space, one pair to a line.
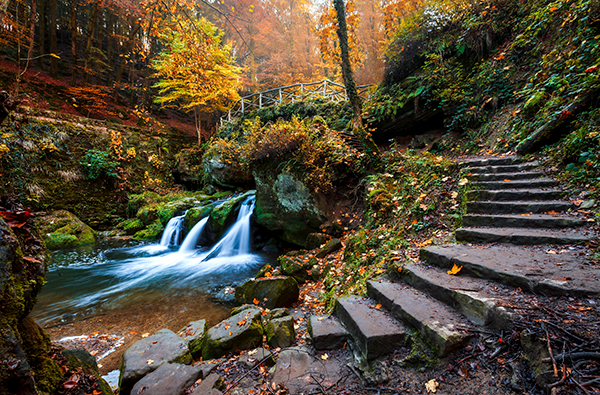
550,351
564,330
323,390
585,391
576,355
588,383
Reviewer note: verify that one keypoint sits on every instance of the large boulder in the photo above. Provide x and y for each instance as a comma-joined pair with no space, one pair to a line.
224,215
63,229
24,346
270,292
169,378
223,172
285,205
243,331
193,333
147,355
280,332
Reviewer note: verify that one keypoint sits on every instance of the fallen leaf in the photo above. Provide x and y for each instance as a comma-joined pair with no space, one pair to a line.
551,252
378,306
96,392
69,384
463,181
431,385
227,326
324,357
506,180
145,335
455,269
132,332
526,215
31,259
241,322
150,361
15,220
256,301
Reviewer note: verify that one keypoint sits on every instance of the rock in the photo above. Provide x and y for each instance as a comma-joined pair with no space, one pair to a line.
271,292
331,246
421,141
280,332
223,172
81,358
244,307
147,355
189,167
286,206
193,334
152,232
195,214
535,351
243,331
265,271
224,215
316,240
252,358
24,346
210,385
131,226
587,204
295,367
207,366
278,313
62,229
295,268
326,333
169,378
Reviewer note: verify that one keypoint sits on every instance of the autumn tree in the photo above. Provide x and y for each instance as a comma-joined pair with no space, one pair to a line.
195,70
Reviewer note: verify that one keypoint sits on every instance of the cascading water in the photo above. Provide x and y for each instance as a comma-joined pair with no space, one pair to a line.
110,278
172,233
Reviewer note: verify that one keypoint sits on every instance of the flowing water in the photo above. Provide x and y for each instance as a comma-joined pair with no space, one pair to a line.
109,276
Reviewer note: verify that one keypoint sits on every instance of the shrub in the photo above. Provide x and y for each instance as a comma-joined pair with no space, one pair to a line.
98,165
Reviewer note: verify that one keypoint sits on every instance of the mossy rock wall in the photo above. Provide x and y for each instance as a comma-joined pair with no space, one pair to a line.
63,229
24,347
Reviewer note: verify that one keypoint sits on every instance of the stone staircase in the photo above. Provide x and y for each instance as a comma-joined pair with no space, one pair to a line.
516,217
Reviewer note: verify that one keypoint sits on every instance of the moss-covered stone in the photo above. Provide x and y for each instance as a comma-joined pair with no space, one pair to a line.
195,214
131,226
280,332
75,359
62,229
224,215
271,292
152,232
242,331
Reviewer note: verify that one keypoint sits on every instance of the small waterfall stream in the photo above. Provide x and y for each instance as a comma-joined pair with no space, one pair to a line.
102,279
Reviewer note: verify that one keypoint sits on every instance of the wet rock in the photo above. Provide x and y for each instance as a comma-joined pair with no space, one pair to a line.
271,292
207,367
224,215
280,332
193,334
326,333
331,246
316,240
535,351
242,331
295,268
223,172
147,355
280,312
81,358
244,307
195,214
210,385
265,271
587,204
169,378
252,358
285,205
62,229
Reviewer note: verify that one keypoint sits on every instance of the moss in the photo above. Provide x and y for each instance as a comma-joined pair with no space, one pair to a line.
152,232
195,214
62,229
131,226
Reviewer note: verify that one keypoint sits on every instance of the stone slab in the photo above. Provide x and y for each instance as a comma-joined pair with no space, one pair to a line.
530,268
516,184
502,168
517,207
209,386
373,330
505,195
491,161
193,333
253,357
523,175
169,378
473,297
436,321
147,355
242,331
326,332
522,221
523,236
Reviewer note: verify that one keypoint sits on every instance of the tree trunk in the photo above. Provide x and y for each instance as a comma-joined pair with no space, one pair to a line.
3,7
42,34
31,32
90,38
74,42
198,119
132,34
110,31
53,44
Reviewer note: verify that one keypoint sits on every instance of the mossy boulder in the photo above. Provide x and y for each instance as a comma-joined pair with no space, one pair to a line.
193,334
152,232
286,206
75,359
271,292
225,173
280,332
242,331
131,226
63,229
195,214
24,347
293,266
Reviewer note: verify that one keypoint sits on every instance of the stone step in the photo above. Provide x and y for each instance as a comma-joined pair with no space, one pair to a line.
533,269
523,175
505,195
473,297
517,207
434,320
326,332
521,221
522,236
502,168
373,330
492,161
518,184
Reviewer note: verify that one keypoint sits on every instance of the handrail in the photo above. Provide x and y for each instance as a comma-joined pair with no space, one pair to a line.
290,94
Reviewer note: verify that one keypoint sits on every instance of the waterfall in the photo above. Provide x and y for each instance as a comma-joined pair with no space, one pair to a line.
189,243
172,233
237,239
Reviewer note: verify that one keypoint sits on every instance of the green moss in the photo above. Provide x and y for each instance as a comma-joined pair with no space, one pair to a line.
62,229
152,232
131,226
195,214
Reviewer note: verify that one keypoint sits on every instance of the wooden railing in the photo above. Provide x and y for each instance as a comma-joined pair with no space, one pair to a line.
291,94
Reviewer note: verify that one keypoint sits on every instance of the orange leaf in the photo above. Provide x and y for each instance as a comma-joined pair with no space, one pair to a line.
241,322
30,259
506,180
455,269
132,332
378,306
227,326
96,392
256,301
